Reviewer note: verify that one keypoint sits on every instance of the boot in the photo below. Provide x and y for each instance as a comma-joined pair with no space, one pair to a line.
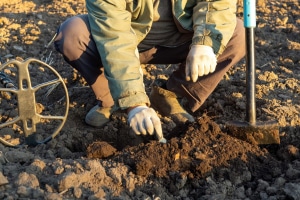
99,116
167,104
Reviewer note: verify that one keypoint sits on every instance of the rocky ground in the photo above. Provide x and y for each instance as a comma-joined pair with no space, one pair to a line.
200,160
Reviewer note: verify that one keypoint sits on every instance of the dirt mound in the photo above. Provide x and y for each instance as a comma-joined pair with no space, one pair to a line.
199,150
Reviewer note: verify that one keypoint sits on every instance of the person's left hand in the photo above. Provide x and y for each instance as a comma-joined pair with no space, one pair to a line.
200,61
144,120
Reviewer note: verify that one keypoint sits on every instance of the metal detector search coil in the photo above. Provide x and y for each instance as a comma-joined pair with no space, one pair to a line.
29,97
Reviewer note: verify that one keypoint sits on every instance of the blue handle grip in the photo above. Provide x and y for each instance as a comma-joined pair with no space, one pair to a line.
249,13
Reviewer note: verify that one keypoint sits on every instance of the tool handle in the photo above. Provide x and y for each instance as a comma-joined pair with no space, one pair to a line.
249,13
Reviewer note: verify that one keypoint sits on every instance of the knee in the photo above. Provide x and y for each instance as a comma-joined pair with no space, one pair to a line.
72,37
240,37
236,48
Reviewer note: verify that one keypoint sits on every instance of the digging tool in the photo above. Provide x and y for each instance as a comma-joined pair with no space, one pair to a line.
250,130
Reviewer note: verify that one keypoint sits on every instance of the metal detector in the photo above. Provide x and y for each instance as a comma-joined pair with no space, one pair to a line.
33,109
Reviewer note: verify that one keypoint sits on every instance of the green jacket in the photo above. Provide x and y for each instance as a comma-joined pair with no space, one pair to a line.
118,26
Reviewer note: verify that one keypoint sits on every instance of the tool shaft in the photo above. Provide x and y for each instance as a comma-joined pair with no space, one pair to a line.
250,24
250,77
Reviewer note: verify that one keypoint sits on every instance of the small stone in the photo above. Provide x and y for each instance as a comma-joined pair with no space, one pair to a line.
279,182
292,190
51,196
292,173
17,156
240,193
263,195
77,192
59,170
262,185
38,193
181,181
3,179
24,191
271,190
28,180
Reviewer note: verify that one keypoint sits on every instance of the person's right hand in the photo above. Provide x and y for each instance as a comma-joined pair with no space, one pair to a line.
144,120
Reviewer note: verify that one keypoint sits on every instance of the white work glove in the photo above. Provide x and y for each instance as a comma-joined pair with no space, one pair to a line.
143,120
200,61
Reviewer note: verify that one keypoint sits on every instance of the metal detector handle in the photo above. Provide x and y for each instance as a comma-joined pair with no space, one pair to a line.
250,24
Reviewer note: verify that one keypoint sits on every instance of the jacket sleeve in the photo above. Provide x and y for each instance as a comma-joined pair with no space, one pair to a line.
214,23
117,42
